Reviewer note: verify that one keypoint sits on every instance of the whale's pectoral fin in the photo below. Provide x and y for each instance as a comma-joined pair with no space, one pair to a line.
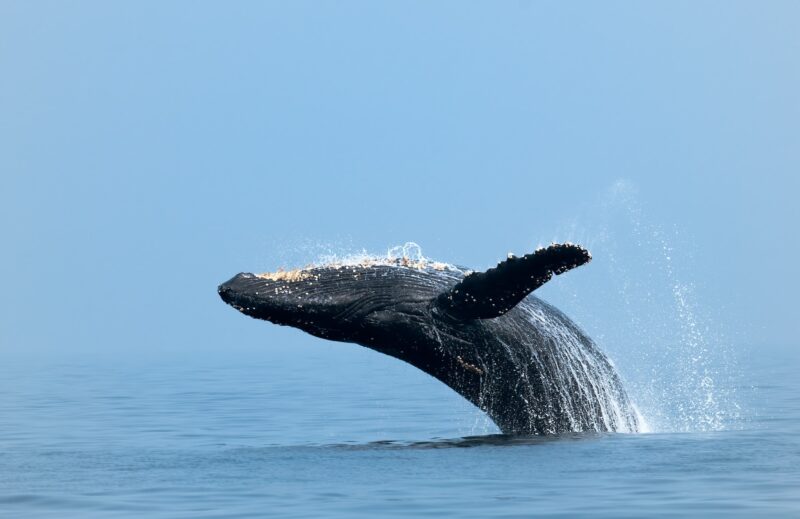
483,295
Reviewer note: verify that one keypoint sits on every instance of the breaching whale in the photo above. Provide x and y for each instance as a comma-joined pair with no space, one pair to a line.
519,359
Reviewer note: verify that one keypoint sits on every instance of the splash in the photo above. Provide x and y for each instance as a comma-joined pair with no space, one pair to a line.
409,251
408,255
643,309
581,380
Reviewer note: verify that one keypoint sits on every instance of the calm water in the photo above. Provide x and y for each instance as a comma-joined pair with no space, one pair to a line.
339,431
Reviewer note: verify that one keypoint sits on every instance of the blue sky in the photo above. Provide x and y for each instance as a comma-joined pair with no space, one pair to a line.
150,150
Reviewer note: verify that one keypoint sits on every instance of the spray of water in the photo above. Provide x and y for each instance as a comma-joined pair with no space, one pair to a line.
643,310
575,378
408,255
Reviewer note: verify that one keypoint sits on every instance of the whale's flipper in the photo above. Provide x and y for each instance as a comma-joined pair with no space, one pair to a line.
483,295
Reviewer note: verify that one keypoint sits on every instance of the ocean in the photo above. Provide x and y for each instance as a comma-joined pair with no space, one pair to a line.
335,430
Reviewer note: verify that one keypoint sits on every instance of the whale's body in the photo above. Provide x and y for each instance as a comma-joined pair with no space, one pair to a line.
522,361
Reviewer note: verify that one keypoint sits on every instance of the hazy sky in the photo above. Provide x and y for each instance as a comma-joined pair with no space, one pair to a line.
150,150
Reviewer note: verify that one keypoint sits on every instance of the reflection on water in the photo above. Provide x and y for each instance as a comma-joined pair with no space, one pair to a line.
487,440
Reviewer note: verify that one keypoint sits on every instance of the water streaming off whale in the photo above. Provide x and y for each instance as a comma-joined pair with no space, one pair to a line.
644,304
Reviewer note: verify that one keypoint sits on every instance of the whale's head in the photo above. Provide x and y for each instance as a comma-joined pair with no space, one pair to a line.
346,303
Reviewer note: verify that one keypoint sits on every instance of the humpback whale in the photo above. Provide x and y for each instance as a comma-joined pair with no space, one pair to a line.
514,356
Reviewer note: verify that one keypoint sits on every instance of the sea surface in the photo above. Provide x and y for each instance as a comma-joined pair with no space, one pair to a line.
333,430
